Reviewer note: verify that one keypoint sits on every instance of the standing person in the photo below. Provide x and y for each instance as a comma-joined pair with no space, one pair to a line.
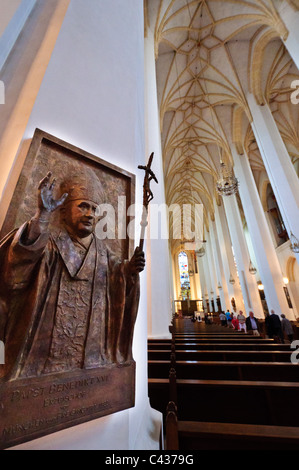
252,325
287,328
223,319
228,318
242,321
275,326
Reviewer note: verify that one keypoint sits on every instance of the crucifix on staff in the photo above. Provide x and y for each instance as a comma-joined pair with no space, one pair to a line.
147,196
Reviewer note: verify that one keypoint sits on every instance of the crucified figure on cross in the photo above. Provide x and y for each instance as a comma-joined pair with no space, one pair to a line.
147,196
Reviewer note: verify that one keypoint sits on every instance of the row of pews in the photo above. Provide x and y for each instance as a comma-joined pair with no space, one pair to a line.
221,389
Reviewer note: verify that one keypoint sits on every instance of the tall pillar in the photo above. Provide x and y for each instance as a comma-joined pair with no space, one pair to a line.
193,284
212,264
172,284
159,293
290,17
14,16
280,170
206,270
223,292
249,288
202,279
197,284
229,267
266,257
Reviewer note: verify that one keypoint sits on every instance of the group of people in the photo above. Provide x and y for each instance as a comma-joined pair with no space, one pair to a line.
279,328
276,328
230,320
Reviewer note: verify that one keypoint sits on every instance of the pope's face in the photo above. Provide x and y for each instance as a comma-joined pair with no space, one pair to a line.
80,217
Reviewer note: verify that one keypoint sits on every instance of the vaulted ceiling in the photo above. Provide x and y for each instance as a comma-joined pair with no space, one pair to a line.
209,55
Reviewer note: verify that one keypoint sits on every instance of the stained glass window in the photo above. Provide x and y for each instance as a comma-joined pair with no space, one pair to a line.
184,276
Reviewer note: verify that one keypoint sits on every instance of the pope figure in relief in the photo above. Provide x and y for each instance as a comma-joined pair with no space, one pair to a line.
66,302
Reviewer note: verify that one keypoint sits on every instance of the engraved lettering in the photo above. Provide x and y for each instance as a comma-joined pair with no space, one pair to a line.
63,400
66,387
28,427
18,395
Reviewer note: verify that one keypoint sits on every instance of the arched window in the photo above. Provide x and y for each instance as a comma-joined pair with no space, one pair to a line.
184,276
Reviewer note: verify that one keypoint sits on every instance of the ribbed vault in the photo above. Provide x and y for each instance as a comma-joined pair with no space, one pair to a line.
209,55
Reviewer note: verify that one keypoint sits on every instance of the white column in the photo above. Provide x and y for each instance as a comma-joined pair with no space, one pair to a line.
249,288
213,272
199,281
290,17
159,293
224,295
281,172
266,257
202,279
197,285
176,278
225,245
172,285
206,269
13,17
193,287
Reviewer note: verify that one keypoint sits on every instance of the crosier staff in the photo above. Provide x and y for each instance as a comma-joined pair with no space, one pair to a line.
147,196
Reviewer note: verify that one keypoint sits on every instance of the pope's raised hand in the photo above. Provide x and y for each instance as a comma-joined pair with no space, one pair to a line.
46,201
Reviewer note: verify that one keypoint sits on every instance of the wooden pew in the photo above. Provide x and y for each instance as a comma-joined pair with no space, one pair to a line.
229,436
225,370
221,346
228,390
250,402
241,338
223,355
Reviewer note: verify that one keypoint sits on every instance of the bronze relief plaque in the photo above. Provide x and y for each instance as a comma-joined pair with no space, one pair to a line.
69,293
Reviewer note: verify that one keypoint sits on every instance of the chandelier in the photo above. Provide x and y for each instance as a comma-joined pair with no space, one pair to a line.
228,184
231,280
294,244
252,269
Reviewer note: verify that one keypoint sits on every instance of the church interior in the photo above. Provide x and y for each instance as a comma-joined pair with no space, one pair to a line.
211,89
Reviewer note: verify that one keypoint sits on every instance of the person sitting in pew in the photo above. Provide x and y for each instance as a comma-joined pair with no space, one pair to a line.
235,322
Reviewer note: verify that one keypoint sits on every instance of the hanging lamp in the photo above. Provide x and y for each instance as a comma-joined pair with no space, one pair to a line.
252,269
227,185
294,244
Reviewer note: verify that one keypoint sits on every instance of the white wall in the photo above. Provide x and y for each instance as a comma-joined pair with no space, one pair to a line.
92,96
158,286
